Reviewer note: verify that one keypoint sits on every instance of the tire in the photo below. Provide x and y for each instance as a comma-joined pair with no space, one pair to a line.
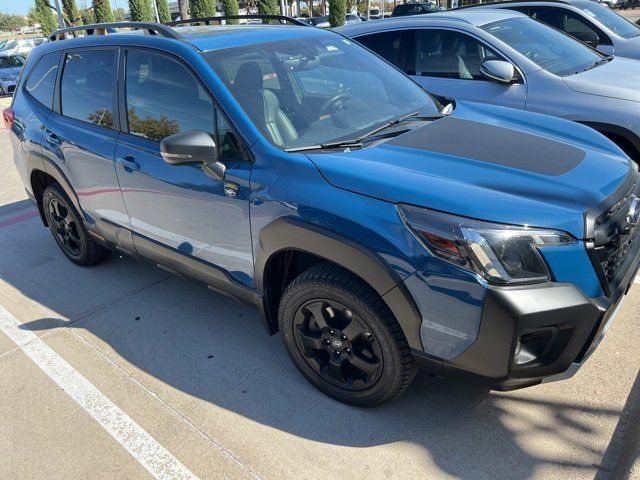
344,339
68,229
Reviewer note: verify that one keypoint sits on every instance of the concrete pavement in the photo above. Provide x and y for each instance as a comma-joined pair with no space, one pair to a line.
196,372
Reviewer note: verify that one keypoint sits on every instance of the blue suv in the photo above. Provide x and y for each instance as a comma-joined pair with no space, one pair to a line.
375,226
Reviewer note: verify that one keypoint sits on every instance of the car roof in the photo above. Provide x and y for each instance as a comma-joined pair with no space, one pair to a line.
476,17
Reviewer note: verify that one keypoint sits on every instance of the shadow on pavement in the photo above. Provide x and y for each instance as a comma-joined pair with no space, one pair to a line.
209,347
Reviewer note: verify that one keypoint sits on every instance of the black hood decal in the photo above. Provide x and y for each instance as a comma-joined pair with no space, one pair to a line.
498,145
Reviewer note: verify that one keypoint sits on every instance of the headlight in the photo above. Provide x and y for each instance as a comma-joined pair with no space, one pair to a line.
502,254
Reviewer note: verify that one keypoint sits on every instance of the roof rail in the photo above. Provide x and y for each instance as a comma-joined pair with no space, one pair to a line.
501,2
106,28
207,21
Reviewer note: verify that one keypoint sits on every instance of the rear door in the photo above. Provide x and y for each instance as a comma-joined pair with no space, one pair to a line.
80,137
182,217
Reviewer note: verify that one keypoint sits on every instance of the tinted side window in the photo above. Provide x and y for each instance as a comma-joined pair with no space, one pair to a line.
447,54
569,22
387,45
42,79
87,86
164,98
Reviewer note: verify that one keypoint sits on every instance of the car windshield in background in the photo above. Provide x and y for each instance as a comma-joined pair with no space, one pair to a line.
11,62
548,48
610,19
313,91
8,45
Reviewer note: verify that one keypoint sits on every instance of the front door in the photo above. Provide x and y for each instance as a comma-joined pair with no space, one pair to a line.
447,63
182,217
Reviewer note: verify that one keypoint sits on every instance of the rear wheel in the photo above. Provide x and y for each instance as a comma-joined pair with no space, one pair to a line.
343,337
68,230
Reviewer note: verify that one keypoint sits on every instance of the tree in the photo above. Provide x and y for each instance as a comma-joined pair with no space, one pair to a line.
230,8
118,14
337,12
87,16
268,7
141,11
71,13
44,16
202,8
102,11
163,11
10,23
183,7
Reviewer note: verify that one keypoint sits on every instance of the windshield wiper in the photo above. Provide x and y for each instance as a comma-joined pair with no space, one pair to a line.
602,61
357,142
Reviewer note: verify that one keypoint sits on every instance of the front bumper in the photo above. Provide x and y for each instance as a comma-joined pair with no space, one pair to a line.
7,87
532,334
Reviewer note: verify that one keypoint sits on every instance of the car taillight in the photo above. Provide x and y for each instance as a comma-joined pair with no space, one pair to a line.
7,114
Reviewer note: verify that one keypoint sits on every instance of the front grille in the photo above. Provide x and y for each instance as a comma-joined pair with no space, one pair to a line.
615,241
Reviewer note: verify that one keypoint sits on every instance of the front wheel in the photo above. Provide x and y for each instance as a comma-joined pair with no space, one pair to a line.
344,339
68,230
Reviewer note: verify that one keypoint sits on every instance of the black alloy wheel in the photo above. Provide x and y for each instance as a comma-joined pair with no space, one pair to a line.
65,228
337,344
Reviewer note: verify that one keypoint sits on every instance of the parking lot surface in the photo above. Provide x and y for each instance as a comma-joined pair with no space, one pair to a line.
122,371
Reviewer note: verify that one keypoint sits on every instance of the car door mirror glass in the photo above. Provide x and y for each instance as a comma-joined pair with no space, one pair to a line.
498,70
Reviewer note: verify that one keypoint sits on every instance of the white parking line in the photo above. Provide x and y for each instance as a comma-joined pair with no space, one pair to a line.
142,446
637,279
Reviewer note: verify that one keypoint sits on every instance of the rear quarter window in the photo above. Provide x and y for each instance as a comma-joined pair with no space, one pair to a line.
42,79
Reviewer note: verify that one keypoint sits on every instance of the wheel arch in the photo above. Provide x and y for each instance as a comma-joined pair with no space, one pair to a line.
42,176
288,246
627,140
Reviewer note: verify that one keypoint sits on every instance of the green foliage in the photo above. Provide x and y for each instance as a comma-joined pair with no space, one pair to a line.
202,8
102,11
70,12
87,17
45,17
337,12
141,11
118,14
268,7
163,11
230,8
11,22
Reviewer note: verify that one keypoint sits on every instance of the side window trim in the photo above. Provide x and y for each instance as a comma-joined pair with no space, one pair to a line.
505,57
122,96
57,95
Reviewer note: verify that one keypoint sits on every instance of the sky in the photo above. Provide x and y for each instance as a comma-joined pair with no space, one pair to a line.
21,7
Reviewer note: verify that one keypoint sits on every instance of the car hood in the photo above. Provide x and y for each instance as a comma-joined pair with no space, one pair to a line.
617,79
489,163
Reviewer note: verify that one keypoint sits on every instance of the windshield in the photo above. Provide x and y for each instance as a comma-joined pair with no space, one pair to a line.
9,44
548,48
610,19
11,62
316,90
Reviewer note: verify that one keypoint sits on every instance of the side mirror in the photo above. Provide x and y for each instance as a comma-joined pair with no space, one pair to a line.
588,37
498,70
193,147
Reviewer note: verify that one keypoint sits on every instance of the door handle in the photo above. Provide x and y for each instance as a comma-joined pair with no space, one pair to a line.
128,162
51,138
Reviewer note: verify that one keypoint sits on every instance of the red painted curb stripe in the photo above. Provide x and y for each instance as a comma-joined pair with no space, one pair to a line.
18,219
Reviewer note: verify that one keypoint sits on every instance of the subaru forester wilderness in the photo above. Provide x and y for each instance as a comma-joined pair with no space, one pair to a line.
375,227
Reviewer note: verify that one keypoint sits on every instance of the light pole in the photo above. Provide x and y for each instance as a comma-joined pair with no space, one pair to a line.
155,11
60,17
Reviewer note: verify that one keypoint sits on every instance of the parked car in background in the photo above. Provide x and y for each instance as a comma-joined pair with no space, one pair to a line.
20,46
10,67
613,4
372,225
506,58
626,4
320,22
405,9
352,18
590,22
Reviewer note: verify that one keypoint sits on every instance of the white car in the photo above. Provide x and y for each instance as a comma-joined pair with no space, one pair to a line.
19,46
